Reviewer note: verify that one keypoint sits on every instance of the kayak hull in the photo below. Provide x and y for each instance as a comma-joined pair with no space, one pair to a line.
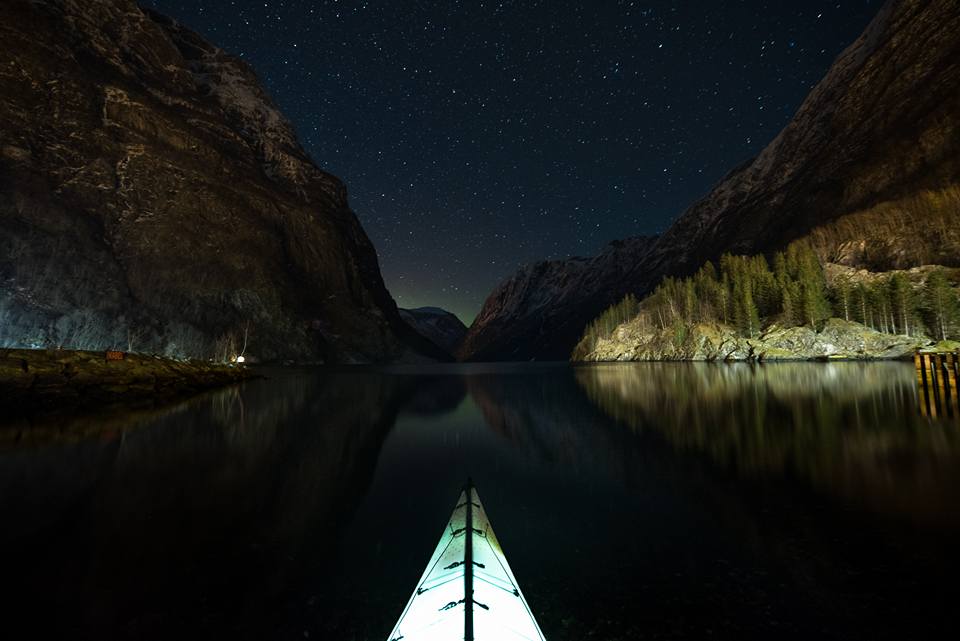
448,604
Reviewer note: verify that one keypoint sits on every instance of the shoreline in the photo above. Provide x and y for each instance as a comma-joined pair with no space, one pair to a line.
47,381
761,360
837,340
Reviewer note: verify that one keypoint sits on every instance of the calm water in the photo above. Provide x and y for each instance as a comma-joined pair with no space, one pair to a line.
642,501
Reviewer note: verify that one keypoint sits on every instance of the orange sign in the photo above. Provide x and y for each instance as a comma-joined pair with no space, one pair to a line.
115,356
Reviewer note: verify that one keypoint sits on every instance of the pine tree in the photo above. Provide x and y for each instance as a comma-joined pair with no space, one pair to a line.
863,308
763,286
843,298
942,305
903,304
690,313
880,304
747,293
708,297
746,315
813,286
788,291
724,292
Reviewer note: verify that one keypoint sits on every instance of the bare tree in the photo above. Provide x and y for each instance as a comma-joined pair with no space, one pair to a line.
134,337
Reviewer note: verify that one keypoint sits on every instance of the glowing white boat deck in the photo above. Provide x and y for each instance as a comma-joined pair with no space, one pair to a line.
482,604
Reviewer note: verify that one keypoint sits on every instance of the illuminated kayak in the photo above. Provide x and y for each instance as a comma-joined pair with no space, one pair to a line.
482,604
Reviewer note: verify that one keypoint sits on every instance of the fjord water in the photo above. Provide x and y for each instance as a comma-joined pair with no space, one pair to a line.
634,501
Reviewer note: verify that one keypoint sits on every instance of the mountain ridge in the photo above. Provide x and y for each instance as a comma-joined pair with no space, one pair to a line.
559,294
152,196
881,126
441,327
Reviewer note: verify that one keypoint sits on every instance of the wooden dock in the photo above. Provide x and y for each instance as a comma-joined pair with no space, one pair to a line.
937,376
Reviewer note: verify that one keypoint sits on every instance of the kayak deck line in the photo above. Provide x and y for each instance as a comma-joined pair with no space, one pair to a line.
467,590
468,572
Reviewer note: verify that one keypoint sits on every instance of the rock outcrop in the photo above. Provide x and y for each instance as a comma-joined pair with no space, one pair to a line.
878,134
837,339
438,325
152,193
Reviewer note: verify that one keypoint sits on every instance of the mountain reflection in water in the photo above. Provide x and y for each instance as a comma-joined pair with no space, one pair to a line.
633,501
850,429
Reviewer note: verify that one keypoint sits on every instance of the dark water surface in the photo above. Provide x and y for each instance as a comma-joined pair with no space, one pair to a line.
640,501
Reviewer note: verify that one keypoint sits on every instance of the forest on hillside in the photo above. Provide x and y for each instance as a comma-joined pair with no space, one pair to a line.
749,294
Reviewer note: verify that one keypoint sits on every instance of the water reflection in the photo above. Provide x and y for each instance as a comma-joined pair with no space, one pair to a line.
849,429
634,501
208,512
548,417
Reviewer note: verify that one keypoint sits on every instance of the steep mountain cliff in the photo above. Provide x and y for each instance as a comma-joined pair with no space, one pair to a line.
540,312
873,145
152,197
440,326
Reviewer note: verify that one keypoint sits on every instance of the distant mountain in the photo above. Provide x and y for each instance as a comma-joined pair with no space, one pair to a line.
869,168
440,326
541,310
152,196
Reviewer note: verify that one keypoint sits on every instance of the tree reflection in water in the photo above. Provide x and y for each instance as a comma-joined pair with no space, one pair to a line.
634,501
849,429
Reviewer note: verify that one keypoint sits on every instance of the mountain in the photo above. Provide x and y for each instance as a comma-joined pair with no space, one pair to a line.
152,197
440,326
872,151
540,312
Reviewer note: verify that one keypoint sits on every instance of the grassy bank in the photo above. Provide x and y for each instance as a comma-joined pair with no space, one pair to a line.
42,381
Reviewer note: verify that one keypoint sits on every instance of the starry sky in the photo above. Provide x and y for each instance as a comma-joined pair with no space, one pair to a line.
476,136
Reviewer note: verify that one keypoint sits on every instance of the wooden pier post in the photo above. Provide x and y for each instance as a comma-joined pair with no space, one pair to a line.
921,383
952,399
930,373
940,368
956,366
938,379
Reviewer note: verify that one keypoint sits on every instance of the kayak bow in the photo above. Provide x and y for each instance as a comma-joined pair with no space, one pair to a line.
467,590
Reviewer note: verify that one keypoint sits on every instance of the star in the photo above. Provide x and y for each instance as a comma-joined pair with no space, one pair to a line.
474,137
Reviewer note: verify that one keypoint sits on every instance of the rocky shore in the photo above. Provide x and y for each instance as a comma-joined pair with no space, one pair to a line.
837,339
41,381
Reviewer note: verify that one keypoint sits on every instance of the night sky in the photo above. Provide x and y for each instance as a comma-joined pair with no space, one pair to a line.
477,136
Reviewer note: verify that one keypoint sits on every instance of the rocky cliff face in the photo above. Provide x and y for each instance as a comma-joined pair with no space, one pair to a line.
884,124
838,339
438,325
153,197
540,312
878,133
